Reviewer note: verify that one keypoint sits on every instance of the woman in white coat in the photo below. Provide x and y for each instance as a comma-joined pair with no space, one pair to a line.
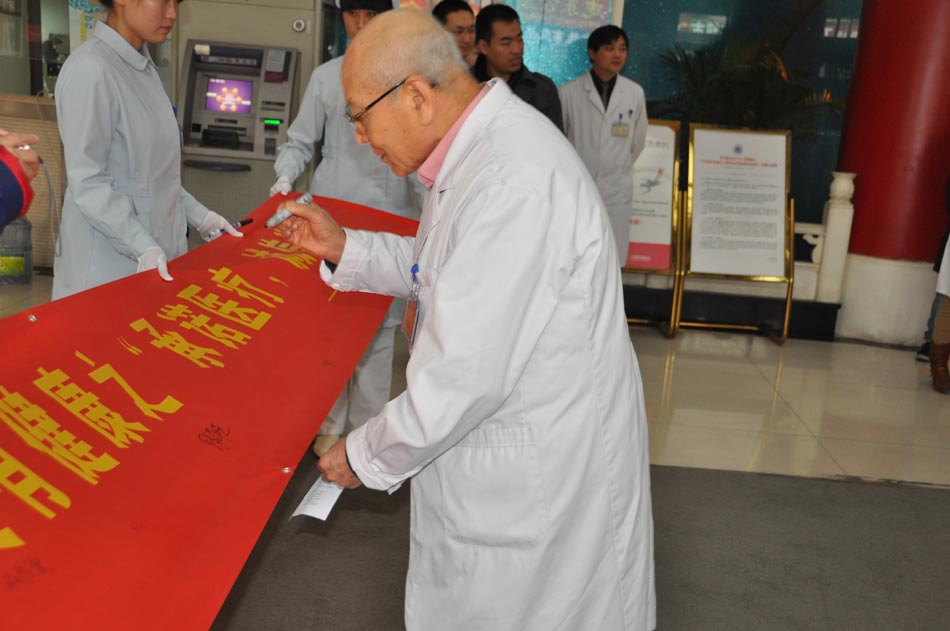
605,118
349,172
522,426
125,210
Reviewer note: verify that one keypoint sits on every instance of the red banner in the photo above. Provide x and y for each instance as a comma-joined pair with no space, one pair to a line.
147,428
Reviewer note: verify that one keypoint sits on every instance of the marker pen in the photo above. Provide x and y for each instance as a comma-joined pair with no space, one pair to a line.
284,214
237,224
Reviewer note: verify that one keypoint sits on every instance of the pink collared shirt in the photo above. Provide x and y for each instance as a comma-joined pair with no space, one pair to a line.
433,164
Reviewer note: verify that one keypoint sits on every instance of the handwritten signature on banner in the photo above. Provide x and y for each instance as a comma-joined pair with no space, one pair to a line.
204,327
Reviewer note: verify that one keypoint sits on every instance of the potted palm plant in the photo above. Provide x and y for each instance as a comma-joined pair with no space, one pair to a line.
741,81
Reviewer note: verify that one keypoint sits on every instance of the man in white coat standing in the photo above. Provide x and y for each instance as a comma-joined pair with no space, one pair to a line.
350,172
605,118
522,426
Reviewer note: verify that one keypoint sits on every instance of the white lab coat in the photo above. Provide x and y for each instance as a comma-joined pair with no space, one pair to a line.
609,158
122,149
352,172
523,425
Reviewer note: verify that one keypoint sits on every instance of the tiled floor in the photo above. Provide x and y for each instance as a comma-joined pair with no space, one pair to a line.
736,401
740,402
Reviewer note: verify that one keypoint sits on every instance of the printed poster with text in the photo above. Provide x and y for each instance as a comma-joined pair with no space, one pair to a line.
148,428
654,186
739,186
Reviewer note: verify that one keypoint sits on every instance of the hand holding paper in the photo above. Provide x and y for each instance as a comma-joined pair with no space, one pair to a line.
335,468
319,500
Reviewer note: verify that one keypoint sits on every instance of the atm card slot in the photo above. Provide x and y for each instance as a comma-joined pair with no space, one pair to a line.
220,138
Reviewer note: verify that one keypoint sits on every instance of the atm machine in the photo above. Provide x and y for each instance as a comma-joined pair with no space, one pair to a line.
235,103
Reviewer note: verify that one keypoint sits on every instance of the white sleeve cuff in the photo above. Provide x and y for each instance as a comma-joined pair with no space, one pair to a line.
345,277
357,453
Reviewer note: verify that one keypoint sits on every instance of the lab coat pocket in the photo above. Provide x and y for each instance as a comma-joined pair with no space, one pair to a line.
492,488
139,194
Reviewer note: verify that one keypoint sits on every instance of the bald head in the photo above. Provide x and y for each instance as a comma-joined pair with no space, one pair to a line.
404,42
409,58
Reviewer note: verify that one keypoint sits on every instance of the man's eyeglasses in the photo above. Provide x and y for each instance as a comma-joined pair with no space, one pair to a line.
354,118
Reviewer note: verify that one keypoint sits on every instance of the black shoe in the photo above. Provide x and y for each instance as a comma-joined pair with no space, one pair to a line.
923,353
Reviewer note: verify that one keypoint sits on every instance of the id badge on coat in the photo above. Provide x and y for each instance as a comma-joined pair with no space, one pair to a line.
620,130
409,320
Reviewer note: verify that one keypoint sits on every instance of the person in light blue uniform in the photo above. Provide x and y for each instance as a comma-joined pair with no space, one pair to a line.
125,210
351,172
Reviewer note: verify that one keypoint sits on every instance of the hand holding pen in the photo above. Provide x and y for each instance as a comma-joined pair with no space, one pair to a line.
309,227
283,214
214,234
214,225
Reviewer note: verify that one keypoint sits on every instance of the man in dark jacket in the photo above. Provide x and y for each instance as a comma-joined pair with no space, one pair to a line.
498,38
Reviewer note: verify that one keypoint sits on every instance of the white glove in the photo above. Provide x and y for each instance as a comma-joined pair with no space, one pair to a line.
282,186
154,258
215,225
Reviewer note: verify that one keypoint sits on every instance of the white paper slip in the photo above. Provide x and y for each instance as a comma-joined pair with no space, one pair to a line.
275,60
319,499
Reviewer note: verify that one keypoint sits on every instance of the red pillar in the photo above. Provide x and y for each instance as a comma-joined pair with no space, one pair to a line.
896,134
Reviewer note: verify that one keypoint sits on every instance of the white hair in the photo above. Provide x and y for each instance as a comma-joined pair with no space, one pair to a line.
431,53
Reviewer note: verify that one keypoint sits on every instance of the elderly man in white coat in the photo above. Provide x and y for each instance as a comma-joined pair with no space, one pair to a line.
522,426
605,118
350,172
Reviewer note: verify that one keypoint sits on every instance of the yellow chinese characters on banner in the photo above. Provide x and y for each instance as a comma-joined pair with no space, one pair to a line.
227,310
227,321
31,489
139,430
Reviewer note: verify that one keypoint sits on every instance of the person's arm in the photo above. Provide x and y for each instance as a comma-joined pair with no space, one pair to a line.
640,123
304,132
87,112
377,262
195,211
485,308
208,223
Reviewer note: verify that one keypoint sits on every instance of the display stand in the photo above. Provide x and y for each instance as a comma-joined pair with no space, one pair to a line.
655,243
739,219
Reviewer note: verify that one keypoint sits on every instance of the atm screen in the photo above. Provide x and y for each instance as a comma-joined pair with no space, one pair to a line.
228,95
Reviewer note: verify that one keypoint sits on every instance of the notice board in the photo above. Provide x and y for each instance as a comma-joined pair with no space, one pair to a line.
738,202
653,219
